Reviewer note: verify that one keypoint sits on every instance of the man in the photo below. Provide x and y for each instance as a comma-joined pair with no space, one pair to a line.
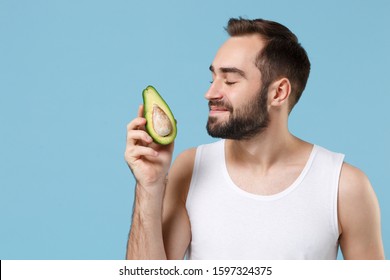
261,193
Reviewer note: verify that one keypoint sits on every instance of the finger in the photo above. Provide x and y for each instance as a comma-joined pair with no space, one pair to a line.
141,115
134,136
137,152
136,123
141,110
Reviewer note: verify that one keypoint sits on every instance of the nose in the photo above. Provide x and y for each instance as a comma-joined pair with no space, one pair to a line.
214,92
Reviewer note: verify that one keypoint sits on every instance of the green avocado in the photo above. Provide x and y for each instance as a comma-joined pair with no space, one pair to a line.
160,122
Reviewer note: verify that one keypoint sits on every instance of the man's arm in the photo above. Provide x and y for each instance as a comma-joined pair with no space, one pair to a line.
149,164
359,216
145,238
160,225
161,228
176,224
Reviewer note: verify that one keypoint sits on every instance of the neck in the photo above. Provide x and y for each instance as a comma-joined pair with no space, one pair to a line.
272,145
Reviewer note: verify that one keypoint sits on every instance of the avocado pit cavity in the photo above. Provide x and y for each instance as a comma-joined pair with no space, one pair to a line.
161,123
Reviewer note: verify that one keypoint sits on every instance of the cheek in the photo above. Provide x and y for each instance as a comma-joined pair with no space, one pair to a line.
243,94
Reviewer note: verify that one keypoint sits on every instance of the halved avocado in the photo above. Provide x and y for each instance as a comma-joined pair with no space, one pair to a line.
160,122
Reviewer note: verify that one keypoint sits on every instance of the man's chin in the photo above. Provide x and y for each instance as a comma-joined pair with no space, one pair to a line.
214,130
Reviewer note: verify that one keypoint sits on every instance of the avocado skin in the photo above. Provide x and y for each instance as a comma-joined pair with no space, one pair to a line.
151,96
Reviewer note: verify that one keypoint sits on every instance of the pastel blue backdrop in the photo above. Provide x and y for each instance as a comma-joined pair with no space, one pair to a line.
71,76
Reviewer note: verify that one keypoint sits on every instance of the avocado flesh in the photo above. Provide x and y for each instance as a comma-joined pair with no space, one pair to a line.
160,122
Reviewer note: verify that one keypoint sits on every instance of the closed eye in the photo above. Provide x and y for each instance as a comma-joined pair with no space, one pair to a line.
230,83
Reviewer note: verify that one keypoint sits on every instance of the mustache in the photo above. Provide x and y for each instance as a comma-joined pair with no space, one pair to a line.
221,104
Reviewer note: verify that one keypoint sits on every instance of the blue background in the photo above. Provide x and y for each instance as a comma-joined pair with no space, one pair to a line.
71,76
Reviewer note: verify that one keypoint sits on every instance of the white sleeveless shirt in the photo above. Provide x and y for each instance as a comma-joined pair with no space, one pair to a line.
230,223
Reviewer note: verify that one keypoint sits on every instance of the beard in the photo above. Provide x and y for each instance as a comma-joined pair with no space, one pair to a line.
245,122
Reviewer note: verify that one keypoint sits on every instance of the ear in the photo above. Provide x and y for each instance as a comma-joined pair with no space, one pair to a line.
280,93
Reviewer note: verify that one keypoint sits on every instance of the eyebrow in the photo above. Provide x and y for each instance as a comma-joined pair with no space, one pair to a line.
229,70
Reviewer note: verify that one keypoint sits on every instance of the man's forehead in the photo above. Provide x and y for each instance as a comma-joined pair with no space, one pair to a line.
239,52
246,43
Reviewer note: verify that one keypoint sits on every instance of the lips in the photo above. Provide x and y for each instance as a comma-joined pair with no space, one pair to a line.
218,109
215,106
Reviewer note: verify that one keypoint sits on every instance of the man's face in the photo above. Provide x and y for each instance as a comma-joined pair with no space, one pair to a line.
237,100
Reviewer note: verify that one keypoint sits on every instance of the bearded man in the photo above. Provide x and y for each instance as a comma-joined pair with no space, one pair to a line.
259,192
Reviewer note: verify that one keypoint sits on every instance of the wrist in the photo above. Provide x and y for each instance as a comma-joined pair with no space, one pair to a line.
152,190
153,182
149,199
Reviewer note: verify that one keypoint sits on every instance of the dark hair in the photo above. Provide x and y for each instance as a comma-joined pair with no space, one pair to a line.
282,55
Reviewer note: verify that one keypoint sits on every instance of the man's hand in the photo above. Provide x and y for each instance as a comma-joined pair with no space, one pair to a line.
148,161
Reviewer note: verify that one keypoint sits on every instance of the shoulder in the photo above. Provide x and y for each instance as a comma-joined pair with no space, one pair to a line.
354,185
357,203
186,155
354,188
183,163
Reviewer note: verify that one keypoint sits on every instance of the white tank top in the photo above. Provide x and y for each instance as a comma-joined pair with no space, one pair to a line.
230,223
